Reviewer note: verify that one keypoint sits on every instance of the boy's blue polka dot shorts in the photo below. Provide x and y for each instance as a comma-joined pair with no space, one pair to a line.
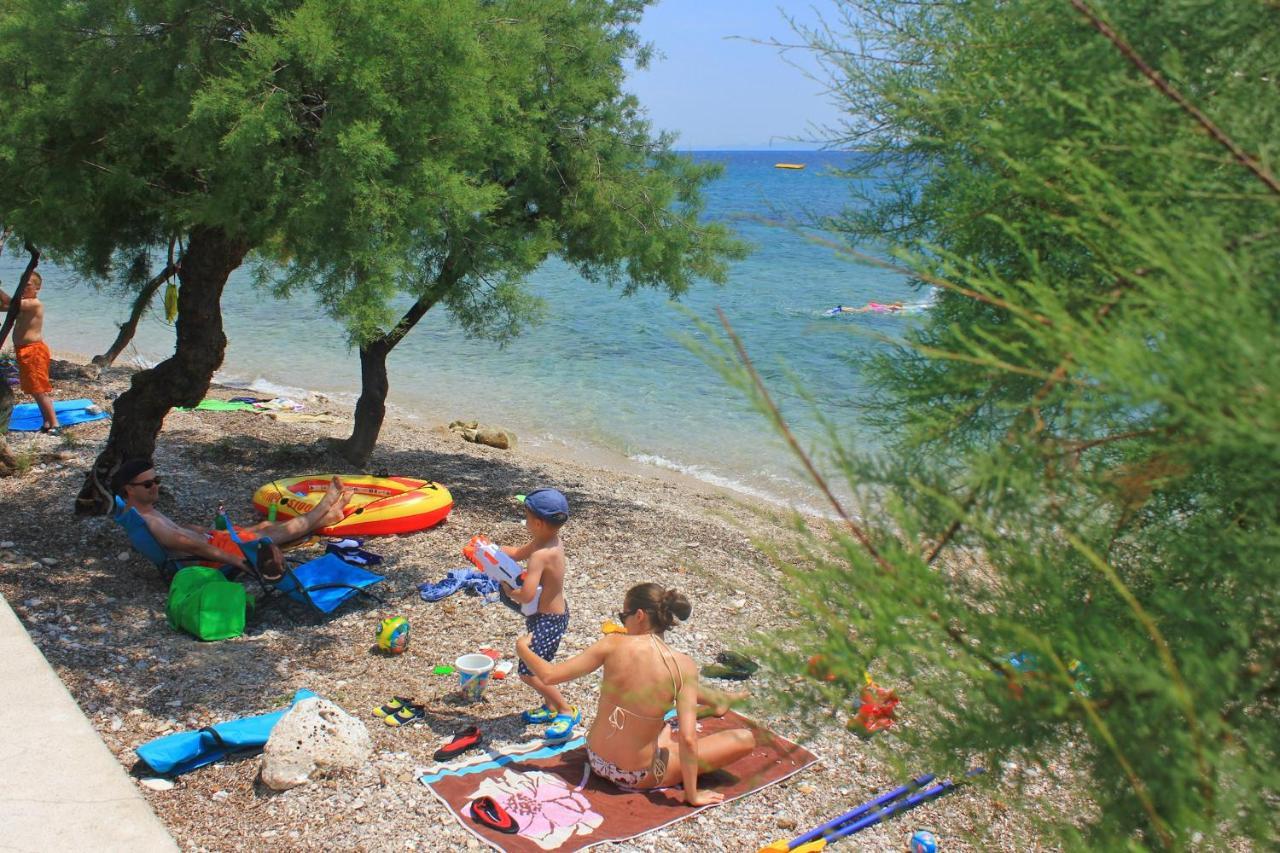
547,630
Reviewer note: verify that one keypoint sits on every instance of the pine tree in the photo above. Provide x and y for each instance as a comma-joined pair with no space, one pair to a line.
366,148
1070,535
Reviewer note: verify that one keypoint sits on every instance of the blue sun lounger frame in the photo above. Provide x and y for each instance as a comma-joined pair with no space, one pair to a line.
323,584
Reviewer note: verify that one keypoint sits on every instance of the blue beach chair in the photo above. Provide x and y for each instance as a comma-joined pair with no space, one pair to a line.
323,584
145,544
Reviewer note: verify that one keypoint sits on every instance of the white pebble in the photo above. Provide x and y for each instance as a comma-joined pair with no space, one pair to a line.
157,784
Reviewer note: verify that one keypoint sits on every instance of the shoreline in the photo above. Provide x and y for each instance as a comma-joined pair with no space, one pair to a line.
538,447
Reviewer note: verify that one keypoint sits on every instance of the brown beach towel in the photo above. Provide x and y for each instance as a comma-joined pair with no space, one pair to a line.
560,805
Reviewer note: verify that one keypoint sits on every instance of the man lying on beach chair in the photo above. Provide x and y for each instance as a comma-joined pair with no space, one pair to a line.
138,488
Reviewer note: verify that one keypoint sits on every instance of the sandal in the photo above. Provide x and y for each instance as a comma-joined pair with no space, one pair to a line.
717,670
538,715
486,812
562,725
738,661
270,561
466,739
407,715
396,703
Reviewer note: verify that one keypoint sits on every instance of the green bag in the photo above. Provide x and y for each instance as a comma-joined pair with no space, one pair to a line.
205,604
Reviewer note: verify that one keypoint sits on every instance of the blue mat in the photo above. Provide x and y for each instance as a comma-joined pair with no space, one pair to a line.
27,418
175,754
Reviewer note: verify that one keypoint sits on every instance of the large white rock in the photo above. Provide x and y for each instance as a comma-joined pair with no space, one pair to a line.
316,736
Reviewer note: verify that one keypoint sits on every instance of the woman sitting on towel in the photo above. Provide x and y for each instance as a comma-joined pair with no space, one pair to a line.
630,742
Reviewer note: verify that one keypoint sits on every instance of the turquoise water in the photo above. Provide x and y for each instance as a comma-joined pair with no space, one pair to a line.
602,371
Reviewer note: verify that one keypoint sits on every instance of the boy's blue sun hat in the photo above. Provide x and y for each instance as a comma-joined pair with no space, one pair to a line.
548,505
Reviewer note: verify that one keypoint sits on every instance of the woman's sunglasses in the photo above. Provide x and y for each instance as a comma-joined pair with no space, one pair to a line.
146,484
624,614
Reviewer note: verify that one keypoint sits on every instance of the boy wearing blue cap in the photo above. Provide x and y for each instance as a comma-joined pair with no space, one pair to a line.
541,596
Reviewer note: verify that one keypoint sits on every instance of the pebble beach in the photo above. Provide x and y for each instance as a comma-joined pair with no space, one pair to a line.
95,609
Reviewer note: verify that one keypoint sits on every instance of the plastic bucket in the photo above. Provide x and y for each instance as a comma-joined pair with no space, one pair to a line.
473,674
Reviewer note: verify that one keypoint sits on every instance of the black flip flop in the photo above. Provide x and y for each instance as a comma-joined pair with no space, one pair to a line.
486,812
468,738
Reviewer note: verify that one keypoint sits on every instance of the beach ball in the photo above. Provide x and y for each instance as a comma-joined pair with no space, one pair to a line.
922,841
393,635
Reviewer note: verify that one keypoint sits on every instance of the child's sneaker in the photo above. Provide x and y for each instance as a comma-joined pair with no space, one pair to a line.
538,715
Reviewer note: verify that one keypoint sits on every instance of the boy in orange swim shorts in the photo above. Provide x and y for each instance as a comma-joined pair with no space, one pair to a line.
32,351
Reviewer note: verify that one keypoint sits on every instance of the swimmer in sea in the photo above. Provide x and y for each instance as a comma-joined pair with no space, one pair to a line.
874,308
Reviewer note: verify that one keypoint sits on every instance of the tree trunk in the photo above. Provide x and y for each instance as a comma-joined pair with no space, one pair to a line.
129,327
180,380
371,408
8,464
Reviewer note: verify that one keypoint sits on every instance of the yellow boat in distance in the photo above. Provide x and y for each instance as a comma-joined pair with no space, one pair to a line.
788,165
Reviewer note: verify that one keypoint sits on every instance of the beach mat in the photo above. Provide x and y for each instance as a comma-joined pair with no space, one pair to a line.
559,804
182,752
27,418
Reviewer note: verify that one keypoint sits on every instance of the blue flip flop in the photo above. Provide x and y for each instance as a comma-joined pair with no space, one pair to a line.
562,726
442,588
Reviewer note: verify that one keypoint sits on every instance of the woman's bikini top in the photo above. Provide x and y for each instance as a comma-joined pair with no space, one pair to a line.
618,717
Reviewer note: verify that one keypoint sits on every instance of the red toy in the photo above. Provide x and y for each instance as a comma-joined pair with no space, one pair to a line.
876,712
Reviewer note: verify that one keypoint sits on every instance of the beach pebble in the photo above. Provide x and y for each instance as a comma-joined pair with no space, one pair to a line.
122,556
6,544
116,724
786,823
157,784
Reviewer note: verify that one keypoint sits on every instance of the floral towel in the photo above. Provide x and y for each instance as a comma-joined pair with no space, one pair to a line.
560,805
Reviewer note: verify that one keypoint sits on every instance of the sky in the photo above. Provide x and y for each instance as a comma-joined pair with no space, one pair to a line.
721,92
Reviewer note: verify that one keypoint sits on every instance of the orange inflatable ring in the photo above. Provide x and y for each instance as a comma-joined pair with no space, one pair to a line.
380,506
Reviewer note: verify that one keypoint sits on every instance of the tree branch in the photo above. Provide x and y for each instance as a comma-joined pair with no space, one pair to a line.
1177,97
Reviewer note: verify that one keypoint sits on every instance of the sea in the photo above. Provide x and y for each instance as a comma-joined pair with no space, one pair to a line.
604,376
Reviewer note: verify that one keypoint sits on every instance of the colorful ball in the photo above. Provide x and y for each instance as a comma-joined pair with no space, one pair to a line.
923,842
393,635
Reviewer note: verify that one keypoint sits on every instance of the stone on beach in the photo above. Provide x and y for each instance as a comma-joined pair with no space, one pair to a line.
473,431
316,735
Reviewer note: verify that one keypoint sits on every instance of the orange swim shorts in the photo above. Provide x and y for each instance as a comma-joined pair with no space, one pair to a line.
33,368
222,540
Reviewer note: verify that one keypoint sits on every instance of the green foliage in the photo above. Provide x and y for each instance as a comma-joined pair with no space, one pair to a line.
1083,435
365,148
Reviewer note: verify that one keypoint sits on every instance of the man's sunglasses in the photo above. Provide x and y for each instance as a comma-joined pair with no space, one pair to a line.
146,484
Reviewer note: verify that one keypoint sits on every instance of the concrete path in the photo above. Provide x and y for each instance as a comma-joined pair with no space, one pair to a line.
60,787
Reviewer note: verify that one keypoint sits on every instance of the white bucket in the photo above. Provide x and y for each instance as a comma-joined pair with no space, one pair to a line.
473,674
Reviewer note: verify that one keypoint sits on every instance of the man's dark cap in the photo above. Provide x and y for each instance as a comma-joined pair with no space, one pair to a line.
125,474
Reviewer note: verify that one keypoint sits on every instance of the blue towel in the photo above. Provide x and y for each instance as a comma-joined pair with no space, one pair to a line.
26,417
183,752
476,583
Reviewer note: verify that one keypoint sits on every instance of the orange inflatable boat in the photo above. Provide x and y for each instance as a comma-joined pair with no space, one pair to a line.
380,506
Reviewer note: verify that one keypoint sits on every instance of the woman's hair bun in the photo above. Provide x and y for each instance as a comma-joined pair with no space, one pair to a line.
674,603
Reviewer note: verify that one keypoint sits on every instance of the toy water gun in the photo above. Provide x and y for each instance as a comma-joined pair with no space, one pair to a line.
492,560
882,808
